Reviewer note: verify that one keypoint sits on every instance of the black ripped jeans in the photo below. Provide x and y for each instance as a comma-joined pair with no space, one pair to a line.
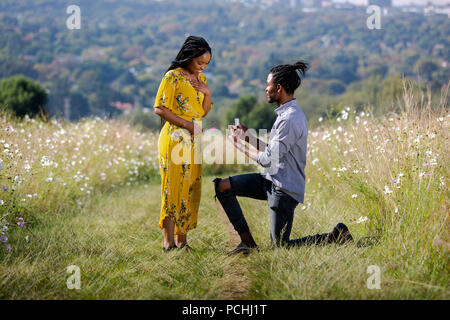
281,207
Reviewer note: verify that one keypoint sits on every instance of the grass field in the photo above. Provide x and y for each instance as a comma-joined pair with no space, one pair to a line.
87,194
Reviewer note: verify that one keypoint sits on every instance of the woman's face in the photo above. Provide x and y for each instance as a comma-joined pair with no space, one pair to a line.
200,63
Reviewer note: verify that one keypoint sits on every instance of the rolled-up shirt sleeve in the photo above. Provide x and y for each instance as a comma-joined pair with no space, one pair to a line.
278,145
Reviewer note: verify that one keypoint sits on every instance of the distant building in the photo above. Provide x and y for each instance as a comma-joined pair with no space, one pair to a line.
290,3
121,105
311,3
381,3
326,4
432,9
347,6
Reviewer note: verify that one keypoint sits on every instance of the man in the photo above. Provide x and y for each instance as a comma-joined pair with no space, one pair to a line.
284,160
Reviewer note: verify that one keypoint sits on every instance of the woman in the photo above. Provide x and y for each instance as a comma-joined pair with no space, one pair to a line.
183,99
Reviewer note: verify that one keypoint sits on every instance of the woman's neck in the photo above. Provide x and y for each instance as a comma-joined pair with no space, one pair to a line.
187,72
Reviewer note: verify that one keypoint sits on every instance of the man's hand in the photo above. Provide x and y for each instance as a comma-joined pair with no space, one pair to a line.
240,126
236,135
238,132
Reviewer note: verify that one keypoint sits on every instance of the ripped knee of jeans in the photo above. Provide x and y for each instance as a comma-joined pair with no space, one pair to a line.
216,188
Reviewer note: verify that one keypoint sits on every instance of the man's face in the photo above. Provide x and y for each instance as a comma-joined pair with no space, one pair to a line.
272,90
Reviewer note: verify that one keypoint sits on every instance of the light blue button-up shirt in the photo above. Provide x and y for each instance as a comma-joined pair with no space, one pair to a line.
284,158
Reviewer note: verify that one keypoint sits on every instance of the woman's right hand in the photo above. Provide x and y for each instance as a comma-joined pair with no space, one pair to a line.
194,128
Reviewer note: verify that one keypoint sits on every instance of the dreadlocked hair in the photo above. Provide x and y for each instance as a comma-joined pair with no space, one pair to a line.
287,76
193,47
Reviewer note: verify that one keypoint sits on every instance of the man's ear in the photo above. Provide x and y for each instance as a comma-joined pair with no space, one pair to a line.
279,88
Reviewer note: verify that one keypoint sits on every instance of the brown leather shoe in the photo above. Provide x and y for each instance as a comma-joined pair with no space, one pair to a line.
242,248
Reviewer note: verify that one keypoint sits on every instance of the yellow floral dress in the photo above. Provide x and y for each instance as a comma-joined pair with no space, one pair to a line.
180,174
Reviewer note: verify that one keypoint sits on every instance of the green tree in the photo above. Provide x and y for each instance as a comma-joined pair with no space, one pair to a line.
251,114
79,106
240,109
261,117
219,86
336,87
22,96
425,67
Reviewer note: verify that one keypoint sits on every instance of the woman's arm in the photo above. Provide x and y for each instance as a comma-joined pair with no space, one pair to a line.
207,103
172,118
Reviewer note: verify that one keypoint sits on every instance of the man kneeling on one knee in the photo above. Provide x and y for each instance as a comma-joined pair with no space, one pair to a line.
282,184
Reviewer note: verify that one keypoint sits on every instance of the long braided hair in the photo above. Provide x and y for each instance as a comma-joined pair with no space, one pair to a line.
287,76
193,47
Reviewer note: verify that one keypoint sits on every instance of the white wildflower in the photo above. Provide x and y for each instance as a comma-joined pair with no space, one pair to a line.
387,190
45,161
362,219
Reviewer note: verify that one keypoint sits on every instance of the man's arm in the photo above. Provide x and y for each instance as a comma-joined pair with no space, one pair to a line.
251,153
251,139
256,143
279,144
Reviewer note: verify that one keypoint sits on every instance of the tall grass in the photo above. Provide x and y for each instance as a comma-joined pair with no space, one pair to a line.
49,167
387,178
87,193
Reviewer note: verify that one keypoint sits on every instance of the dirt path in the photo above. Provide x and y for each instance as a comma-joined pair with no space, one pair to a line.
240,270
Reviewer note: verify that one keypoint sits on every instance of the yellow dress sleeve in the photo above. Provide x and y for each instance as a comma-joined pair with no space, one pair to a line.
166,92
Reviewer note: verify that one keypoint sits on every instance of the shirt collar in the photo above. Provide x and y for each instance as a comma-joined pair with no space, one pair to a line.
285,106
